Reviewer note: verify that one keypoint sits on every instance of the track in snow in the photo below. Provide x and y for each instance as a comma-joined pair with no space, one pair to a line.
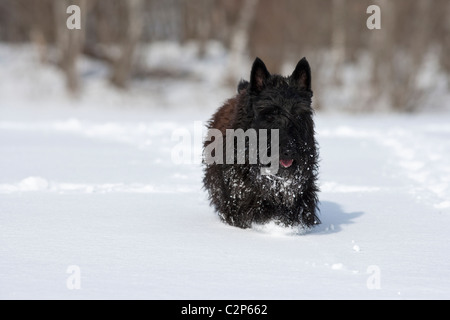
105,196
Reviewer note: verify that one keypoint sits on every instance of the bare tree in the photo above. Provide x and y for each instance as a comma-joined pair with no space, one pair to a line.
69,42
41,26
338,38
382,48
445,47
198,22
278,31
123,65
409,96
268,33
239,39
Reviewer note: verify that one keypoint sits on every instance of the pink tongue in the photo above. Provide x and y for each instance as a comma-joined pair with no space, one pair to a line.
286,163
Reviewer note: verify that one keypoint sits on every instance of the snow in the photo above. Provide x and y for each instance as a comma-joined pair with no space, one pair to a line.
94,186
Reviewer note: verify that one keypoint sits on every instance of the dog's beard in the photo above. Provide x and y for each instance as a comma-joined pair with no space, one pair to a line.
284,187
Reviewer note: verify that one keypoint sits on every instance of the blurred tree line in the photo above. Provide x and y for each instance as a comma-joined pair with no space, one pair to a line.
331,33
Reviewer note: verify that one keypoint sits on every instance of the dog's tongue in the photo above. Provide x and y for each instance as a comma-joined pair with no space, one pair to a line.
286,163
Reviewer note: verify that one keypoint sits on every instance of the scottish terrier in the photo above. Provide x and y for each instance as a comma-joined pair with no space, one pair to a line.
240,192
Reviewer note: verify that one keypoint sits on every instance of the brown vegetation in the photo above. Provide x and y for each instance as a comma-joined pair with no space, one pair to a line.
277,31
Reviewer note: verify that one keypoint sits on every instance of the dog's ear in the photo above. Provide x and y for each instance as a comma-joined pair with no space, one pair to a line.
258,76
301,77
243,85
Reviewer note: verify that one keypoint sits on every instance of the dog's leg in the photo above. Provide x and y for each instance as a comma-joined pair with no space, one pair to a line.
309,207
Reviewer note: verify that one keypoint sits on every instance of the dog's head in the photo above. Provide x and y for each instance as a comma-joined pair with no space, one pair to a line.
284,103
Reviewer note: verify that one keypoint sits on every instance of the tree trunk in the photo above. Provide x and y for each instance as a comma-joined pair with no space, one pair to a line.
239,39
123,65
338,39
69,42
382,50
445,57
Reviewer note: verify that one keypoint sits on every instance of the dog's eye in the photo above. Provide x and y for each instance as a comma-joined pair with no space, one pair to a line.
267,117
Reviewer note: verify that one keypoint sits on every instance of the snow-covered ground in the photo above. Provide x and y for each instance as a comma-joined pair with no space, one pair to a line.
89,192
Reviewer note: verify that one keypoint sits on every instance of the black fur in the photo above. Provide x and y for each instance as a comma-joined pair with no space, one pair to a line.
239,193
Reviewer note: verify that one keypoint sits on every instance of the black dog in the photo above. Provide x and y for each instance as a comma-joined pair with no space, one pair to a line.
240,192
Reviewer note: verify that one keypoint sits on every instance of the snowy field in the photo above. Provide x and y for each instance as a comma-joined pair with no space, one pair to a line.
94,187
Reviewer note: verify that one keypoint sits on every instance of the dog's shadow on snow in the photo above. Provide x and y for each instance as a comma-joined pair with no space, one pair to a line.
333,218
